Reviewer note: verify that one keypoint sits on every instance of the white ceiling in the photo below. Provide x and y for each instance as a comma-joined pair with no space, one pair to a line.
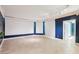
70,8
31,11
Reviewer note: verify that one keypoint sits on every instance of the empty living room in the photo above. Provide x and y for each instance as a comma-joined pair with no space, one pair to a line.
39,29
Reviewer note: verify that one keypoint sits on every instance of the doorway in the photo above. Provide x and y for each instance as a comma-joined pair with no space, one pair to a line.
69,30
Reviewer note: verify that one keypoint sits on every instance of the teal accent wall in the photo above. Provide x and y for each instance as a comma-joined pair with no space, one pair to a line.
72,29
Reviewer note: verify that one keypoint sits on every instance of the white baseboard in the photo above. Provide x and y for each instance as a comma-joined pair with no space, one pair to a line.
53,38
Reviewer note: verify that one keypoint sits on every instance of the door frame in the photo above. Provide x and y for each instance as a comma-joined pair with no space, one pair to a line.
74,27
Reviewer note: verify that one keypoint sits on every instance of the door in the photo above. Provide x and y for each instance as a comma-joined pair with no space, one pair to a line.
69,29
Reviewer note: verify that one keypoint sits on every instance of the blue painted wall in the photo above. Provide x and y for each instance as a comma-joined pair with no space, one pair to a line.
34,27
1,27
44,27
59,26
59,29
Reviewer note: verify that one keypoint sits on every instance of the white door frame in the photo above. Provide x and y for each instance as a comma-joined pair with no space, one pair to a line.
64,28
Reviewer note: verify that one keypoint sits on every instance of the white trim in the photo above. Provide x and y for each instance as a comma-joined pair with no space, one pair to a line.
63,28
53,38
1,43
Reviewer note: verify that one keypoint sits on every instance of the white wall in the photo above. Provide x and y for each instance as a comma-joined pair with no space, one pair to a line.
18,26
39,26
50,28
2,10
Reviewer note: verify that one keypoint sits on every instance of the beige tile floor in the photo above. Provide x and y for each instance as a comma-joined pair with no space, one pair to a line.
38,45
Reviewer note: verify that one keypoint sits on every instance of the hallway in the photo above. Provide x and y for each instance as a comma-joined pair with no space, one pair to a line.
38,44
